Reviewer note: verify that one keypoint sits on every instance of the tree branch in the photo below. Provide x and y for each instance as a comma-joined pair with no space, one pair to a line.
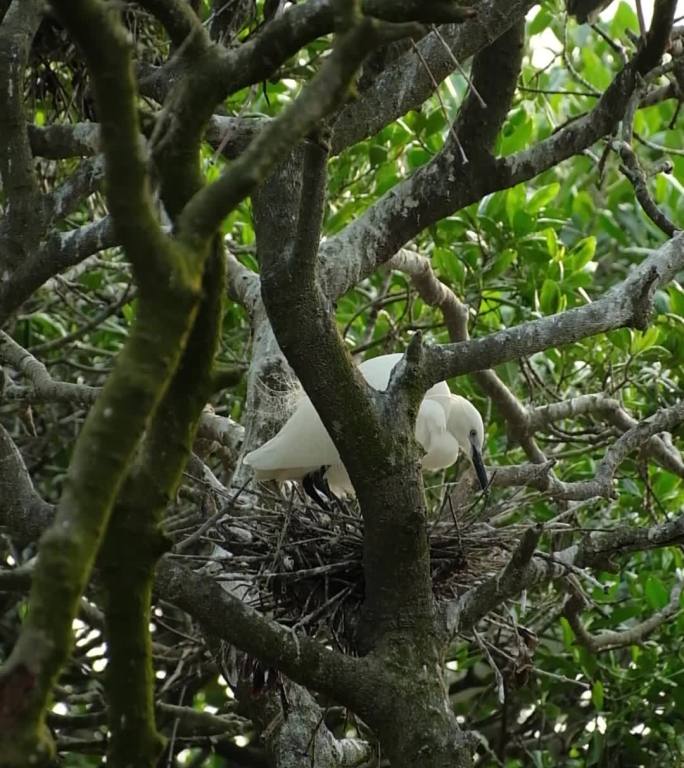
435,190
304,660
594,551
132,392
625,305
406,84
636,437
609,640
134,528
21,230
203,214
655,446
24,515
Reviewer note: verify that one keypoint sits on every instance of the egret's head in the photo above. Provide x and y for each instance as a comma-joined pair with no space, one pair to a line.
465,424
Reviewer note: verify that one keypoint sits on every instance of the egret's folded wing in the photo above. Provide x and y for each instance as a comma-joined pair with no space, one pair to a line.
303,444
377,372
430,423
441,447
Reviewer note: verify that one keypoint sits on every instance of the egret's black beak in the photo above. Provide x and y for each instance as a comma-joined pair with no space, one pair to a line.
480,470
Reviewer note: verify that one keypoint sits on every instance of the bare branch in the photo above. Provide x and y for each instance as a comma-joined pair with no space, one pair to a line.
61,251
59,141
655,446
42,383
595,550
625,305
634,438
23,513
608,640
444,185
406,84
478,601
205,211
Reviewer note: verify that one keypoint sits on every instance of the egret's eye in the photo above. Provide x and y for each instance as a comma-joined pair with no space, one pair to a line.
473,433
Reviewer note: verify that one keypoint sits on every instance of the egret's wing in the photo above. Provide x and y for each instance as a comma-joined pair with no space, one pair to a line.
377,372
441,447
303,444
430,423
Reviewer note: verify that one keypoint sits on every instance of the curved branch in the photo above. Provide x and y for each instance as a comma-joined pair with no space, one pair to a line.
301,658
61,251
636,437
133,390
655,446
134,528
525,571
442,185
203,214
609,640
445,185
24,514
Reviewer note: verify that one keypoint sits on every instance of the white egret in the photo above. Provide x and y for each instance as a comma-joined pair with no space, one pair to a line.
304,451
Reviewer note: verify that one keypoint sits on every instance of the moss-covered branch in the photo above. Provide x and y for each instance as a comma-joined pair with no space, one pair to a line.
134,529
20,231
181,23
169,281
204,213
107,49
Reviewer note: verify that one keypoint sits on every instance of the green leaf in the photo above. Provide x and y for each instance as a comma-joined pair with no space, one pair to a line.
645,340
542,197
551,242
597,694
540,22
656,593
515,201
377,154
549,297
501,263
581,254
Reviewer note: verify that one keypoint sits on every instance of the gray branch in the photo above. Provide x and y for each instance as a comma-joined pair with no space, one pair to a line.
602,484
625,305
608,640
525,570
24,515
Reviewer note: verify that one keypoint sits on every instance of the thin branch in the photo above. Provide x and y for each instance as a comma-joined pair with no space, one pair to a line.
612,410
61,251
608,640
22,227
478,601
595,550
23,513
634,172
601,485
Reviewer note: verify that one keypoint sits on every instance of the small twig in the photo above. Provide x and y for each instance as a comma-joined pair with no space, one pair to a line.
458,66
435,84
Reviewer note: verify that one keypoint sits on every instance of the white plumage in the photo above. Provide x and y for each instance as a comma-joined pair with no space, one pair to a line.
445,424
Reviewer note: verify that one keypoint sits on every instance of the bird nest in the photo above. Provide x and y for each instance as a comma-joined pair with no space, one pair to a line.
303,566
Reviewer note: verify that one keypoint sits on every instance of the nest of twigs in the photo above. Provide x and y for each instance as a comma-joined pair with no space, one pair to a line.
303,566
